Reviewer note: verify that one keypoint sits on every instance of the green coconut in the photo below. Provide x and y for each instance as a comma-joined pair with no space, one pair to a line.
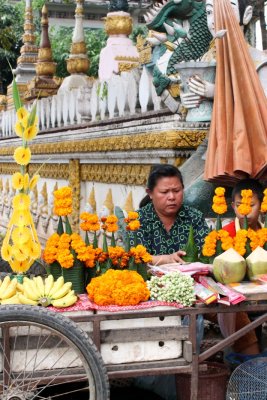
257,262
229,267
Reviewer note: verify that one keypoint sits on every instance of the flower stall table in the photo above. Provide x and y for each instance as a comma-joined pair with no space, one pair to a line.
188,361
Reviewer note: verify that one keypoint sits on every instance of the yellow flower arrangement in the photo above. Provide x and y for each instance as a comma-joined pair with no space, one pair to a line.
140,254
246,197
264,202
122,288
219,205
90,222
63,201
209,248
21,246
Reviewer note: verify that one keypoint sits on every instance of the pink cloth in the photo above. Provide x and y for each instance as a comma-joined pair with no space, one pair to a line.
84,304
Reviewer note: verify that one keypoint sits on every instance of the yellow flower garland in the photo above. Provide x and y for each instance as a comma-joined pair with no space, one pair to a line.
219,205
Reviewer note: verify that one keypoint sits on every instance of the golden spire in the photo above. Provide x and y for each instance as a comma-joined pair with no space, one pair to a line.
43,85
78,62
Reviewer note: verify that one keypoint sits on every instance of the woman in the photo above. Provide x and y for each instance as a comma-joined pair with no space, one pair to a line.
165,220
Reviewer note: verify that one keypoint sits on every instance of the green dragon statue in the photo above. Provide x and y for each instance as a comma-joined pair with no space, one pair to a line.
170,18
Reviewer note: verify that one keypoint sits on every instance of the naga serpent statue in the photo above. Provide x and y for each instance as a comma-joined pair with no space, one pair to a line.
191,43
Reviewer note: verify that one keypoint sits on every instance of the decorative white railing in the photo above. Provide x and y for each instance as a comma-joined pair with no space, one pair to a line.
124,94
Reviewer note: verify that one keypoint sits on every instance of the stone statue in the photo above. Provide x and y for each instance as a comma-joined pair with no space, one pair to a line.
45,217
181,29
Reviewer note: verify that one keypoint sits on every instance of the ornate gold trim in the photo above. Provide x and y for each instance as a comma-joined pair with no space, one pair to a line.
126,67
74,172
173,139
75,184
124,58
115,173
52,171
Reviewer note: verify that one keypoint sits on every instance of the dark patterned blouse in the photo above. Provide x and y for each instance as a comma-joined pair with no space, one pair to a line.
153,235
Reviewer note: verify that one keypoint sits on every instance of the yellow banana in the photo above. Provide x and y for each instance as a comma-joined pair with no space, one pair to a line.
57,285
20,287
0,282
62,291
31,287
49,283
12,300
4,285
38,280
29,293
66,301
10,290
25,300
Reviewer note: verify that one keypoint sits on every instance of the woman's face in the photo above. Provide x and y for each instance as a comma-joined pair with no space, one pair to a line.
167,196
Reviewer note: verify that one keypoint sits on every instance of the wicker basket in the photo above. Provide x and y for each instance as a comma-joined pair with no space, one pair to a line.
212,383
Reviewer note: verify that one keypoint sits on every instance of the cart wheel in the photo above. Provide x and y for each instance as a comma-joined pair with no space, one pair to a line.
44,355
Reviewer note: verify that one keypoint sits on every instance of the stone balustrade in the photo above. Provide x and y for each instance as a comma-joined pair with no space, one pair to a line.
126,94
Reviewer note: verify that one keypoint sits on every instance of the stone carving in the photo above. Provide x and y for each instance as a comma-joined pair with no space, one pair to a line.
34,205
180,138
44,214
74,183
7,200
54,218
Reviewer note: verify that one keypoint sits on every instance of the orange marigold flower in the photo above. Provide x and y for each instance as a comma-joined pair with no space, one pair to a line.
219,205
132,215
133,225
264,202
118,287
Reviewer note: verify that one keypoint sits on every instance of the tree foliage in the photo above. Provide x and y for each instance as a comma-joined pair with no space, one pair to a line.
10,40
61,43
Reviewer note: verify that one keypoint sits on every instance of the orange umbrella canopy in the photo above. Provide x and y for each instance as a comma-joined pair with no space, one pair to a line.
238,135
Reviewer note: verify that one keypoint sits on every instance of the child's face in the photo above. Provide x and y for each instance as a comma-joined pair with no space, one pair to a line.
253,216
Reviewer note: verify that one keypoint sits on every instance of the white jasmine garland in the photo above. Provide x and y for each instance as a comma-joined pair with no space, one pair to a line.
172,287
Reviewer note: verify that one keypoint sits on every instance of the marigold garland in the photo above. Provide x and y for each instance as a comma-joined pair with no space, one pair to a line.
140,254
122,288
264,202
219,205
132,221
63,201
209,248
246,197
89,222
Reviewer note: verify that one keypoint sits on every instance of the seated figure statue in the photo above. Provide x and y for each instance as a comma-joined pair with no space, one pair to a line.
201,89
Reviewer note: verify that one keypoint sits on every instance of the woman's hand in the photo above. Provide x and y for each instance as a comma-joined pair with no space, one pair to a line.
169,258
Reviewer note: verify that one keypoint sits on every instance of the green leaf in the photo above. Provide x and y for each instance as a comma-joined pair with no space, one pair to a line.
87,241
191,247
68,227
95,243
32,115
16,97
105,243
113,242
60,229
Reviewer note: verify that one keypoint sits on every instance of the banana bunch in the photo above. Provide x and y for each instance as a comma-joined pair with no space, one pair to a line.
38,292
8,291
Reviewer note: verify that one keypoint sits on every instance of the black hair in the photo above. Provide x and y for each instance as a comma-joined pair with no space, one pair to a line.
157,172
252,184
